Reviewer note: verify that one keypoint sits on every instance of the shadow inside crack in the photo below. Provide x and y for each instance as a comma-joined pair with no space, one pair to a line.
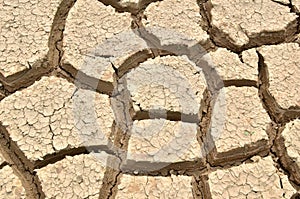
82,80
296,196
21,165
223,39
27,77
275,111
168,115
286,162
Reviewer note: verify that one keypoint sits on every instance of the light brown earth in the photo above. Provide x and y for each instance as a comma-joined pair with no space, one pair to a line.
111,99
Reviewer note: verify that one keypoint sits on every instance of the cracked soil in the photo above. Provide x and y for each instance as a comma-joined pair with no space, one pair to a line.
149,99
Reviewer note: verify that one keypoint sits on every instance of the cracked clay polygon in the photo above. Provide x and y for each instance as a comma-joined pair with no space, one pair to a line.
11,186
246,121
245,23
25,29
259,179
74,177
155,187
282,62
45,117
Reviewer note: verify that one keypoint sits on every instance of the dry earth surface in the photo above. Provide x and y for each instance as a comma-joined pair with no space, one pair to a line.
116,99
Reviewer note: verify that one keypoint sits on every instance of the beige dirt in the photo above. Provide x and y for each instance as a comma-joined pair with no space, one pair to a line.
137,99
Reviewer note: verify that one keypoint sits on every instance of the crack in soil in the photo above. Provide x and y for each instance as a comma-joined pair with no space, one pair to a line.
276,113
60,155
284,161
221,39
56,35
56,52
110,183
241,83
25,78
81,80
169,115
22,167
201,187
4,164
113,170
236,156
45,66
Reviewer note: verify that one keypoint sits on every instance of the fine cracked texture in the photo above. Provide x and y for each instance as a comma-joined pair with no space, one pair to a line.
25,28
251,23
250,58
144,187
74,177
168,83
292,140
170,20
96,36
283,65
259,179
163,141
245,121
48,116
94,102
232,68
11,186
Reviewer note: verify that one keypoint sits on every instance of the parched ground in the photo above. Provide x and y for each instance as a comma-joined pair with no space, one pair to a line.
138,99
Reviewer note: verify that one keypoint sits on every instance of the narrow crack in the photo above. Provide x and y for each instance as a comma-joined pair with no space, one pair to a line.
3,93
221,39
203,135
81,80
112,190
201,187
56,35
44,66
113,171
241,83
281,185
111,180
60,155
4,164
56,52
121,131
282,3
164,169
122,104
21,165
52,136
277,152
276,113
237,156
25,78
168,115
288,165
144,188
